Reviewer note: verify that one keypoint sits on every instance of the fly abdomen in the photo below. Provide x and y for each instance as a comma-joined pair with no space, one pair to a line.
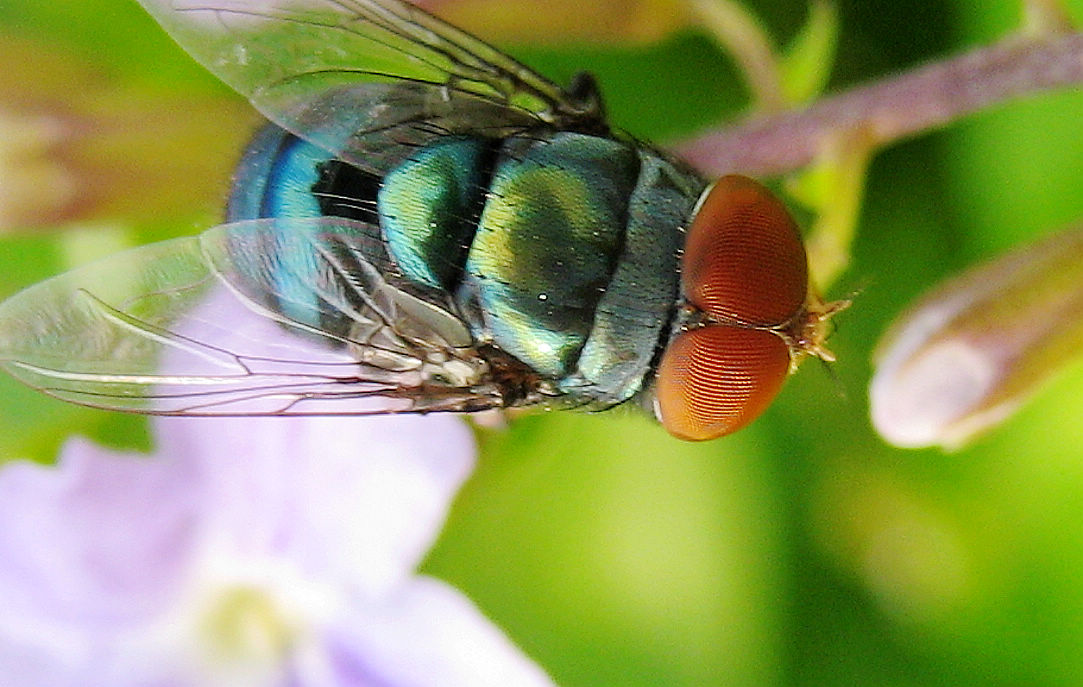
429,207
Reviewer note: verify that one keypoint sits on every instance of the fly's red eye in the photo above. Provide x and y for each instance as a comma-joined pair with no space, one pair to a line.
716,379
744,261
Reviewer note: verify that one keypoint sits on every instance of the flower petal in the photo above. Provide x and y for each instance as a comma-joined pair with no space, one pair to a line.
357,499
89,549
428,634
66,543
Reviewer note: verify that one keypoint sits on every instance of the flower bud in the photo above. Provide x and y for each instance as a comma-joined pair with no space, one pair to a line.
965,357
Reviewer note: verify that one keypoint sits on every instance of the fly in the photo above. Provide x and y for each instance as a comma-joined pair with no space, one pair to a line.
427,225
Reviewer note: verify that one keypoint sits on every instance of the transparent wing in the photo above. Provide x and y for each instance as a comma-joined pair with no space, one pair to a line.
260,317
321,67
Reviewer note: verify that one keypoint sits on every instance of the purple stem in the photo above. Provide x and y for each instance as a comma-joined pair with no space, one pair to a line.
909,103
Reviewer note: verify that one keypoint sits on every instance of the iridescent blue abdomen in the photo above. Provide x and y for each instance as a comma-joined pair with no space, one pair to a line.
560,249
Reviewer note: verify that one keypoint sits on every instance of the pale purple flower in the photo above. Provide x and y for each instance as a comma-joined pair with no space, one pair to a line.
244,552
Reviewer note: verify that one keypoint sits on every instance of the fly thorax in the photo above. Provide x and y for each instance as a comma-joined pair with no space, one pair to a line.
547,243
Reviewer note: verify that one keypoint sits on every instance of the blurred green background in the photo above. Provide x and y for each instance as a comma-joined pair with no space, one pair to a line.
801,551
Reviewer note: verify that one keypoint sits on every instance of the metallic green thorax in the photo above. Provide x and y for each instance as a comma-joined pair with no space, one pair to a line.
547,243
561,248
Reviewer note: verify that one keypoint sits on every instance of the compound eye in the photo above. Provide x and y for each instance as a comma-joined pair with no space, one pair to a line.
744,261
716,379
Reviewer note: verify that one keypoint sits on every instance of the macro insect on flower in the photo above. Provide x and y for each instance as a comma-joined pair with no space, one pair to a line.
453,231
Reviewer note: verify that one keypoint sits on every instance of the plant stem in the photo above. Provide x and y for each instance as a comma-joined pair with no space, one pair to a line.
886,111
